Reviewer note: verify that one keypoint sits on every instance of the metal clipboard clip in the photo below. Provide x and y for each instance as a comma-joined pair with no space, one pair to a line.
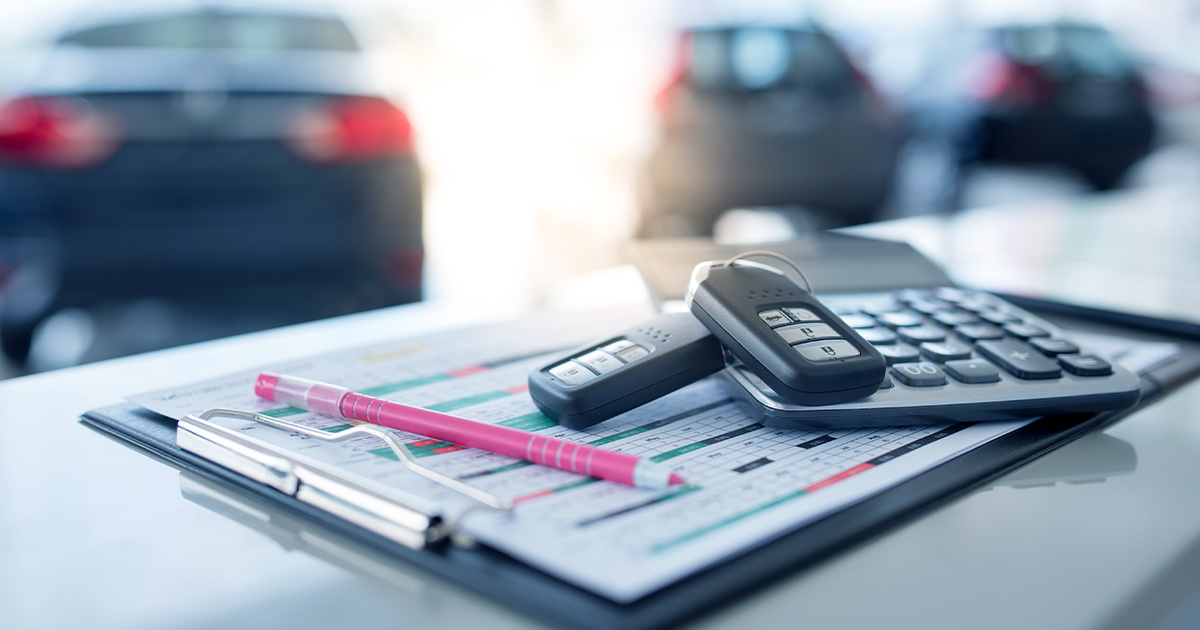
411,520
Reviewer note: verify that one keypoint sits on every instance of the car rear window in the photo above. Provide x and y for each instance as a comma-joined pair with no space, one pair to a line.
1069,50
243,31
767,58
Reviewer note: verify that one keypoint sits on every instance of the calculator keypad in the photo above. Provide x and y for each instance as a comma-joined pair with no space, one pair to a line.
972,335
953,355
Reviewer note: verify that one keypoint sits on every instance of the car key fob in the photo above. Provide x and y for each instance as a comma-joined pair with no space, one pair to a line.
600,380
783,334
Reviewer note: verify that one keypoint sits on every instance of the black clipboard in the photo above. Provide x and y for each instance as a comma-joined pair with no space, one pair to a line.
541,596
532,592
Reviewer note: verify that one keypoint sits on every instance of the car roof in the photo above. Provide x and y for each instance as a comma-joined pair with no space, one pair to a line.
104,13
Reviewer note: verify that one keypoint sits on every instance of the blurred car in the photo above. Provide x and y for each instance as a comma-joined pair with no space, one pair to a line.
1059,93
210,152
1065,93
766,116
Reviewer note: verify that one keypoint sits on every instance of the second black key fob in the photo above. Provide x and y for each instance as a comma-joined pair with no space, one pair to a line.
600,380
783,334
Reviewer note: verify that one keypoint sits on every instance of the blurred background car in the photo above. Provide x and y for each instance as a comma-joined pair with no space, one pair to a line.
1065,93
206,154
759,116
1055,93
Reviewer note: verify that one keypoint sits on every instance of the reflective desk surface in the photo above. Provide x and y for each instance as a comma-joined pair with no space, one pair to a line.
1102,533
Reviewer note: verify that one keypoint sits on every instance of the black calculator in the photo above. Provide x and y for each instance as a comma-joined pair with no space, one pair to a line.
953,355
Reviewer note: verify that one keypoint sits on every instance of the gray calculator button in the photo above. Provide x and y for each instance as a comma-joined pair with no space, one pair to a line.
972,371
900,319
1085,364
1022,330
921,334
601,362
617,347
1019,359
1053,347
632,354
802,315
830,350
878,335
978,332
572,373
858,320
774,318
898,353
942,351
800,333
919,374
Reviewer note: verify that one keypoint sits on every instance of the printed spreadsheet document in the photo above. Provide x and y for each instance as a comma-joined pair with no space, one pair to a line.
747,484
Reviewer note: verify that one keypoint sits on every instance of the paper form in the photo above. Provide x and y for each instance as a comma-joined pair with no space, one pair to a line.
748,484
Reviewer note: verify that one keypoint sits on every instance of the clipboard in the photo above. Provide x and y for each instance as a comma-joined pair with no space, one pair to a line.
526,589
522,587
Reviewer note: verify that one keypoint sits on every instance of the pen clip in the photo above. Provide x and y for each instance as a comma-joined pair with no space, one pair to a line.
486,498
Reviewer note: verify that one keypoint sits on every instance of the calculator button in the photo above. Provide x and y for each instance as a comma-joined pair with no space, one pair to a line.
1085,364
800,333
572,373
899,353
632,354
802,315
897,319
1019,359
600,362
921,374
830,350
955,318
972,371
950,294
942,351
887,383
913,295
1053,347
1022,330
977,332
774,318
997,316
859,320
878,335
921,334
929,307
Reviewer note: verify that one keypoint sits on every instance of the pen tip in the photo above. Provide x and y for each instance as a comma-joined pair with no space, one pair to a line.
675,480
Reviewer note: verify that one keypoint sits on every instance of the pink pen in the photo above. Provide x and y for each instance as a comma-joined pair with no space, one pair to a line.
339,402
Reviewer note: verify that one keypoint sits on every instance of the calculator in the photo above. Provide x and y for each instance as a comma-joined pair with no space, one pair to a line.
953,355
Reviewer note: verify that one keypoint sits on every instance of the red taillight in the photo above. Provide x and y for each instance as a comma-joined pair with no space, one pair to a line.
352,129
1002,80
680,62
59,133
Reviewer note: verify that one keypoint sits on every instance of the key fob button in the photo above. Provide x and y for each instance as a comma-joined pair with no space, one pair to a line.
802,314
800,333
601,362
831,350
617,347
632,353
572,373
774,318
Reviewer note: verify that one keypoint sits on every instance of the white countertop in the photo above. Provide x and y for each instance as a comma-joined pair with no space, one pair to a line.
1103,533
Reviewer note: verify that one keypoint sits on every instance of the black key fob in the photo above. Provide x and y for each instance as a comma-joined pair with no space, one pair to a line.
783,334
600,380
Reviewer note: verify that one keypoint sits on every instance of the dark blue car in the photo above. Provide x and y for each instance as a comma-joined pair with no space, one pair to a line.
217,154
